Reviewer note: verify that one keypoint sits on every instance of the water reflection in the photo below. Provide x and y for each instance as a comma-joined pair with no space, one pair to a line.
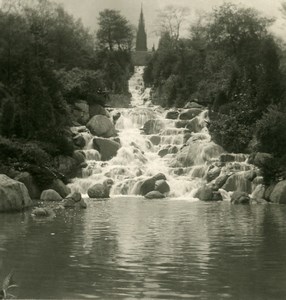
128,248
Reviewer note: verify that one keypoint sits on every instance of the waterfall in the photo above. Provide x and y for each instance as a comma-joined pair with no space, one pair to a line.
165,148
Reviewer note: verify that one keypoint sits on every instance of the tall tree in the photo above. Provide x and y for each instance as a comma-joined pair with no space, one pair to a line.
171,20
114,32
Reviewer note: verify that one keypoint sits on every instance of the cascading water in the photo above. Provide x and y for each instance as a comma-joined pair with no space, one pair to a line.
160,148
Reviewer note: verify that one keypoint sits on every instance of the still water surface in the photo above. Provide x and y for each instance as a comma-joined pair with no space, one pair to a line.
131,248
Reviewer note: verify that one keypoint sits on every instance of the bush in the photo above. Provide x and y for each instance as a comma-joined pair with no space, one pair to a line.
270,131
17,152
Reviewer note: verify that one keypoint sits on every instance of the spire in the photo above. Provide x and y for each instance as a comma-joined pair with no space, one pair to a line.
141,39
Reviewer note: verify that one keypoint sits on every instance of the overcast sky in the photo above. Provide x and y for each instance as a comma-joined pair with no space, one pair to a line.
88,10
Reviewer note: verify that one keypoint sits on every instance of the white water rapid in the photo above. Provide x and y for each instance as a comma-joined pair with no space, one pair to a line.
165,149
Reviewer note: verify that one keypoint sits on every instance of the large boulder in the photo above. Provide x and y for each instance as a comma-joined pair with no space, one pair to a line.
106,148
238,182
159,176
154,195
100,190
239,197
155,139
33,189
278,195
147,186
190,114
221,180
43,212
204,193
153,126
79,140
193,105
97,109
195,125
50,195
58,186
79,156
162,186
172,115
14,195
101,126
213,173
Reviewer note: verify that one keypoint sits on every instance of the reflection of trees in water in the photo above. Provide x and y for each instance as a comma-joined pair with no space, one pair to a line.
149,249
243,242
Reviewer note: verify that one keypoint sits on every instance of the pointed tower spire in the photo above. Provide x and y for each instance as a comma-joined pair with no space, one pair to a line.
141,38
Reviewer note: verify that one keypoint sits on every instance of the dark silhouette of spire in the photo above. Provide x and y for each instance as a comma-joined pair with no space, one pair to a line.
141,38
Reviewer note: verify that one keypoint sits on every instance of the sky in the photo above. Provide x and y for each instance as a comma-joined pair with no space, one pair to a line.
87,11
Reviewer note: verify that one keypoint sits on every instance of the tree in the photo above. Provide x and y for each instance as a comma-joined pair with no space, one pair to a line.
171,20
114,32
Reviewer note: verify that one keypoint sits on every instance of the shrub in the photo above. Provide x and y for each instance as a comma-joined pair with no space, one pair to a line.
270,131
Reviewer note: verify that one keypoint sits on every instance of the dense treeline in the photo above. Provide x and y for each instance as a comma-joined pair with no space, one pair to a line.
232,64
48,61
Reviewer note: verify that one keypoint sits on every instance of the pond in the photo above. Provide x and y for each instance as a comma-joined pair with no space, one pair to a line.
133,248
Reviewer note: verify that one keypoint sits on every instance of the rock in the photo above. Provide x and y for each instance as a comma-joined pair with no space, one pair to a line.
79,141
153,127
32,187
97,191
155,139
66,165
79,156
172,115
217,196
250,175
58,186
226,157
173,150
97,109
80,112
100,190
238,182
75,196
115,117
278,194
43,212
14,195
68,203
50,195
83,165
258,201
181,124
147,186
82,204
195,125
190,114
179,171
193,105
159,176
163,152
154,195
213,173
101,126
75,130
162,186
221,180
239,197
268,191
187,136
204,193
106,148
